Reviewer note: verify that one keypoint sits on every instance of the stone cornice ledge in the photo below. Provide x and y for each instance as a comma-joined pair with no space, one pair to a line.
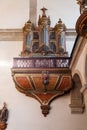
11,35
17,34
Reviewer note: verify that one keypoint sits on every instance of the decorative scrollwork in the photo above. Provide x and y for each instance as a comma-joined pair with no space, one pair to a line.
45,77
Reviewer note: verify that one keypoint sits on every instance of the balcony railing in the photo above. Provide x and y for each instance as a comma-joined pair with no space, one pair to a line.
41,62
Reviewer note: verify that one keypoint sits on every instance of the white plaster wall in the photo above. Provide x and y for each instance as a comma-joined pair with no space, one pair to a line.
67,10
14,13
25,112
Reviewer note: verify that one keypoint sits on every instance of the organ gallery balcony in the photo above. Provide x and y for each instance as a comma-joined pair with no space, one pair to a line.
42,70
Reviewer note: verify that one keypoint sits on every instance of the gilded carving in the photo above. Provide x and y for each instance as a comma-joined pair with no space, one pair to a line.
42,70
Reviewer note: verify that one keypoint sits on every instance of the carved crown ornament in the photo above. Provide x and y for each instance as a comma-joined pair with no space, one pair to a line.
42,70
81,24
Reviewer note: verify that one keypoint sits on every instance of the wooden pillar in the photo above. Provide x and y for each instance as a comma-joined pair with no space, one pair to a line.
33,11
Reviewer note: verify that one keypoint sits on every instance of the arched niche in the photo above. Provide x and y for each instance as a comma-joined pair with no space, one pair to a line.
77,100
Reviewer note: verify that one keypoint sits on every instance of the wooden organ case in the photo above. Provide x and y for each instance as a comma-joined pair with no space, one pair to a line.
42,70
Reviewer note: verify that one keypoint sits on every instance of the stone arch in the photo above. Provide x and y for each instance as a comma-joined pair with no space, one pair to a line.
77,72
77,100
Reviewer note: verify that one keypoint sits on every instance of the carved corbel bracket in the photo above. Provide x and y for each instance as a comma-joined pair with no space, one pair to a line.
45,98
43,86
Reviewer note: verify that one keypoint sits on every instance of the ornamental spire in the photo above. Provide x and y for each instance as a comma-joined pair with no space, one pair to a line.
44,10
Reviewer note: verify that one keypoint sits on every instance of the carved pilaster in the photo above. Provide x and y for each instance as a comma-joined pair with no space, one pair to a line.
84,91
77,102
76,105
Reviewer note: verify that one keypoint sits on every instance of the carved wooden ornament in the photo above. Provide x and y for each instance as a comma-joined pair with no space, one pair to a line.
42,70
81,24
